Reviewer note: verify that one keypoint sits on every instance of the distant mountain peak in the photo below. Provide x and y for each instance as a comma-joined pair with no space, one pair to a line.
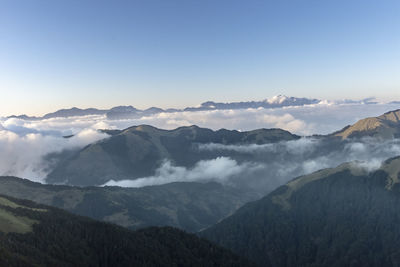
278,99
123,108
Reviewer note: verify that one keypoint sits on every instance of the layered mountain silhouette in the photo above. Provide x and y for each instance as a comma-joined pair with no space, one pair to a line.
344,216
273,102
138,151
63,113
38,235
188,206
125,112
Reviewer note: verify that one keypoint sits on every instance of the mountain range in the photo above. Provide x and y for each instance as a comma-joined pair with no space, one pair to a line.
130,112
138,151
342,216
124,112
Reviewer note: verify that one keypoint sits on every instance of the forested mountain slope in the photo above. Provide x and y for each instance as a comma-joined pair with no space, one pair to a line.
345,216
37,235
138,151
188,206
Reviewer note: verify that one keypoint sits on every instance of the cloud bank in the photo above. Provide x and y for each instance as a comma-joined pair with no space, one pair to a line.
265,167
23,155
221,169
25,144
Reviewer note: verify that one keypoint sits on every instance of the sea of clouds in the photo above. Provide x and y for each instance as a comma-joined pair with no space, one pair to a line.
25,144
265,167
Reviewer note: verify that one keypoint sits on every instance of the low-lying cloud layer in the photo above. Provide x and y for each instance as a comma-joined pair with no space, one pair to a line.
24,144
23,155
322,118
265,167
221,169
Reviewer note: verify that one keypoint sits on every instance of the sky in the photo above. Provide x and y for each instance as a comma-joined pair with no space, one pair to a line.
177,53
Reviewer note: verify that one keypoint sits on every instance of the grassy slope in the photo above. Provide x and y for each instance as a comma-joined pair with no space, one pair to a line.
189,206
384,126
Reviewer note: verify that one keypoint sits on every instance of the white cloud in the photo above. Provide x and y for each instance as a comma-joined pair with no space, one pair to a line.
220,169
322,118
286,160
23,144
22,155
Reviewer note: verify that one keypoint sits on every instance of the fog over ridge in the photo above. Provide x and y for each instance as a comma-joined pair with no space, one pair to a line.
273,164
24,144
220,169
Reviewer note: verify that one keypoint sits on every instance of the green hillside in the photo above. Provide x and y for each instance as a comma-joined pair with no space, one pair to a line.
138,151
343,216
36,235
188,206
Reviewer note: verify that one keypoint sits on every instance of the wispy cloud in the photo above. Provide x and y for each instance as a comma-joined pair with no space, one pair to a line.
221,169
265,167
24,144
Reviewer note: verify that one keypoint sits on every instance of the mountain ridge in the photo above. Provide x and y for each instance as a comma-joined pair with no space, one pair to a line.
384,126
124,112
188,206
139,150
342,216
38,235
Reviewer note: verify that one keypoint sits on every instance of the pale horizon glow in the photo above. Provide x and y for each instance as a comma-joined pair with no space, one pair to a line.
182,106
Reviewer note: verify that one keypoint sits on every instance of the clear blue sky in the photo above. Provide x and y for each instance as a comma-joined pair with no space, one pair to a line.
171,53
